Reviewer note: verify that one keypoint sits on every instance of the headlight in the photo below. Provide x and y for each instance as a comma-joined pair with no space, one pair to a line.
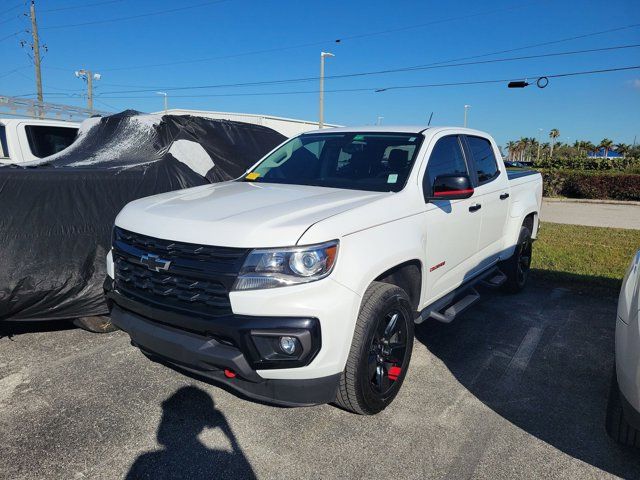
279,267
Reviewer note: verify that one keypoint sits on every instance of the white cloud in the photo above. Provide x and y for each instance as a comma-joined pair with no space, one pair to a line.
635,83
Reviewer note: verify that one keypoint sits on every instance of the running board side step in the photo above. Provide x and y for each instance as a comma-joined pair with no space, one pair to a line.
496,280
457,308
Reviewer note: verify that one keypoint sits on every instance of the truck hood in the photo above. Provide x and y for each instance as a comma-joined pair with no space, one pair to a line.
239,214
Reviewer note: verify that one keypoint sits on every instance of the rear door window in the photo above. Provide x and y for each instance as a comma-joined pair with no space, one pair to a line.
484,159
46,140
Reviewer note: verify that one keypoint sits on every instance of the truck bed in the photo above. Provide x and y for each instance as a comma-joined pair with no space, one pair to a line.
512,174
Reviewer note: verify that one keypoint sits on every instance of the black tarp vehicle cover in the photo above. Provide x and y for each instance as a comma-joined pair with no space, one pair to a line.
57,214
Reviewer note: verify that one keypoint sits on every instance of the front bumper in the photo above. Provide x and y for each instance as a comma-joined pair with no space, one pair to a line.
208,360
227,346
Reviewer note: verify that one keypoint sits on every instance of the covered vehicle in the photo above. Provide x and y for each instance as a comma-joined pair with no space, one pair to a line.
57,212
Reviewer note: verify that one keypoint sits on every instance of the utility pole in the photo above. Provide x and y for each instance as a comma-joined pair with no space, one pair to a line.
36,54
466,107
88,76
321,109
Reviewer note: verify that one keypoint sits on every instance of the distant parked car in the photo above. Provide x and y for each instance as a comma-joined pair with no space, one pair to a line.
623,413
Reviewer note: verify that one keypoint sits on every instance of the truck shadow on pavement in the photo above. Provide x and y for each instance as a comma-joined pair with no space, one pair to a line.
542,360
185,415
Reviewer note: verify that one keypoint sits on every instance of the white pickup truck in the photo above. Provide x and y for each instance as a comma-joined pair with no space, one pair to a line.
27,139
300,282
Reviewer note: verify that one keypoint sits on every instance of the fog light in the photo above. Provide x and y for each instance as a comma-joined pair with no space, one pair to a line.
288,345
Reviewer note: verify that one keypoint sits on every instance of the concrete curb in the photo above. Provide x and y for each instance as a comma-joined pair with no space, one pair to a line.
585,200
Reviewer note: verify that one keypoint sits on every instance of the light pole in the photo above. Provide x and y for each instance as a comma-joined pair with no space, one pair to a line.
379,120
88,76
166,102
466,107
539,139
322,56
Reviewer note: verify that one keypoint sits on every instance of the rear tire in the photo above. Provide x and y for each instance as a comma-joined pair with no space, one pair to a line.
517,267
380,351
96,324
617,426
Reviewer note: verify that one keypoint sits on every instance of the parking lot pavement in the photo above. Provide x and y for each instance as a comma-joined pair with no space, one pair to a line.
591,213
516,388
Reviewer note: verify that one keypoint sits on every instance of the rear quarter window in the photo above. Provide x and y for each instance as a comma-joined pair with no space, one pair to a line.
484,159
46,140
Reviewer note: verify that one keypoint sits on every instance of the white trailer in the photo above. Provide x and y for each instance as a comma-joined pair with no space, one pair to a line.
289,127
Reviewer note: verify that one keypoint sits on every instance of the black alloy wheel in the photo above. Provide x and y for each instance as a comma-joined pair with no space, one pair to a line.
387,352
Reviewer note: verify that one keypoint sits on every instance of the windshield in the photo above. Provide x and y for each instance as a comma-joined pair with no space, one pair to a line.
358,161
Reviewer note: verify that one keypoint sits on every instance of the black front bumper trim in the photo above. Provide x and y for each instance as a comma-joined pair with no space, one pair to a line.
206,358
232,330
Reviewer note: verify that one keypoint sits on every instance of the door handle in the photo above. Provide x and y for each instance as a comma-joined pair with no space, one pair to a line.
475,207
504,196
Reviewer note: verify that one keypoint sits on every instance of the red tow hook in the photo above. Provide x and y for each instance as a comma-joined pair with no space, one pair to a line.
394,373
229,373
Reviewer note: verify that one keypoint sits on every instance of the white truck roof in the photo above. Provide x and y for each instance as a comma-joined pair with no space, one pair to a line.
37,121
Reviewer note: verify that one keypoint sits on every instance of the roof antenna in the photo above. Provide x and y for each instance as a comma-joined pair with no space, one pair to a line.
430,117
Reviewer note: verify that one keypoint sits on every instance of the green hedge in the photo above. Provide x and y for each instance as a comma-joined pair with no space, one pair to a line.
585,163
591,185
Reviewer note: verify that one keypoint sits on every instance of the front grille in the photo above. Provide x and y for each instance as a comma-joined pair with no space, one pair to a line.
197,280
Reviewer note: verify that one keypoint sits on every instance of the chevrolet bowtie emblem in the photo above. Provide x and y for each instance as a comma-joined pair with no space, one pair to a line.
154,262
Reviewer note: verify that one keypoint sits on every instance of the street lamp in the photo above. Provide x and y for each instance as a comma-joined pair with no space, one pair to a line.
166,104
379,120
88,77
539,139
466,107
322,57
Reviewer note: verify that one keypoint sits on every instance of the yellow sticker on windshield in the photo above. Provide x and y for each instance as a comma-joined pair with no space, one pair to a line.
252,176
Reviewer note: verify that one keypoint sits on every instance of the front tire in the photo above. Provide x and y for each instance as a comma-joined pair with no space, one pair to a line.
518,266
96,324
380,351
617,426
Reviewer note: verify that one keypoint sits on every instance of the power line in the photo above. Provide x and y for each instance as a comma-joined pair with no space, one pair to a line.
11,9
74,7
380,72
555,75
2,39
131,17
551,42
398,87
10,19
15,70
313,44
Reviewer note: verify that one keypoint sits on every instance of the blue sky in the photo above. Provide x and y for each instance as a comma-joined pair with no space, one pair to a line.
417,33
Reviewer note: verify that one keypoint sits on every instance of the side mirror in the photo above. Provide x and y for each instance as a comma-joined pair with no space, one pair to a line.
450,187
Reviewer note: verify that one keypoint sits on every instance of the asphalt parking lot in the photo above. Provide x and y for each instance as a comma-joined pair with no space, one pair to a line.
516,388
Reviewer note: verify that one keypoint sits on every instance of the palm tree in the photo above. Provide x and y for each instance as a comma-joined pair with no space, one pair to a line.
512,147
589,147
578,146
606,144
623,148
553,134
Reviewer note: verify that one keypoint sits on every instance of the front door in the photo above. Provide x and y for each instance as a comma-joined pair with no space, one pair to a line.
452,226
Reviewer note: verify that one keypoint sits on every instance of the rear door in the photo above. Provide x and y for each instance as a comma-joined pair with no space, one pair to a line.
451,226
491,193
